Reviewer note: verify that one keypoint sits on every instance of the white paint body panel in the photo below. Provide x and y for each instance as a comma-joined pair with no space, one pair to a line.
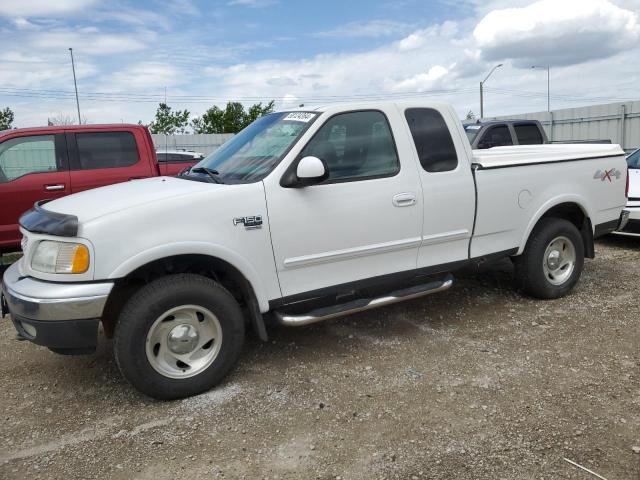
327,235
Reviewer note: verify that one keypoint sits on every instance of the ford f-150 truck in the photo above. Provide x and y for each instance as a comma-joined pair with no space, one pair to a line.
303,216
51,162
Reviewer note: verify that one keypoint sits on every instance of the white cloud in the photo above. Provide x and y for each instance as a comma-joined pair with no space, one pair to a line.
422,81
144,76
557,32
372,29
88,41
24,24
420,38
42,8
445,57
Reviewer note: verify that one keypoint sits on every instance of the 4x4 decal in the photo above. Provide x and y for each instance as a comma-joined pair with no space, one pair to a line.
607,174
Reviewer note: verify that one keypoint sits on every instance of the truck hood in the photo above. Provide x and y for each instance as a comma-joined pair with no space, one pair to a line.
92,204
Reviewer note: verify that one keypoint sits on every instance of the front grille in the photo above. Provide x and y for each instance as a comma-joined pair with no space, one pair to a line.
634,199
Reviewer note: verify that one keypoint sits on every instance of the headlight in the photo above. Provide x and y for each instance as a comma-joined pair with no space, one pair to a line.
60,257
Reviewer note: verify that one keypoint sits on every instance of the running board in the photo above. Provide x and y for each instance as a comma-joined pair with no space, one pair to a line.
363,304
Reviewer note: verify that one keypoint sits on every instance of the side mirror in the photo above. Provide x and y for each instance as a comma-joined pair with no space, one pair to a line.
310,171
311,168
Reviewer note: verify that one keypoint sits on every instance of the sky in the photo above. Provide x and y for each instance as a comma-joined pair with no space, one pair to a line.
204,53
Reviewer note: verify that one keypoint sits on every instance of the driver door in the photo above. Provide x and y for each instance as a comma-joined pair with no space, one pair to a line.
363,222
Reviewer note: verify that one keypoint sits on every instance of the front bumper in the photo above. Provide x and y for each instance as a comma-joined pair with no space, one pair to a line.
61,316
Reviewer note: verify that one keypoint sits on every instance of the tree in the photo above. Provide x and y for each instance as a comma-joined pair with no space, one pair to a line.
470,115
6,119
232,119
169,122
62,119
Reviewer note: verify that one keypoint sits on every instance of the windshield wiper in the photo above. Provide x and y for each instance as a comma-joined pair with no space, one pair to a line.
213,174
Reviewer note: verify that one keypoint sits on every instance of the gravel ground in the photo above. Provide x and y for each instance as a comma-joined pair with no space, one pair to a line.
476,382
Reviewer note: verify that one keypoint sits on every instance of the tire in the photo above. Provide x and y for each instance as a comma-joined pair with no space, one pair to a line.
537,269
170,320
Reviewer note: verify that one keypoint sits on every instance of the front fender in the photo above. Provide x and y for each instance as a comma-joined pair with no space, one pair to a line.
197,248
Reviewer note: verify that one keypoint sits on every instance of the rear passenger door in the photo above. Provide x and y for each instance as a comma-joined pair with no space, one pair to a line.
447,187
99,158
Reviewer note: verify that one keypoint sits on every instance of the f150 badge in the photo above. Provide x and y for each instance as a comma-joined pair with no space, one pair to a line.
607,174
249,223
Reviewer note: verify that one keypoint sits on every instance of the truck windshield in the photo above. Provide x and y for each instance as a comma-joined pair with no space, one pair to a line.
472,132
256,150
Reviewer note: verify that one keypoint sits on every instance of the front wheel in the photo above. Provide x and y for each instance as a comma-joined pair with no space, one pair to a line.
178,336
552,260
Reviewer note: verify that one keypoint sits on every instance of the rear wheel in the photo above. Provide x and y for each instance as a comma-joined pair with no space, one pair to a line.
178,336
552,260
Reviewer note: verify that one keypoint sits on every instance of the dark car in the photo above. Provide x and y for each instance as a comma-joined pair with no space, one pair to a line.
500,133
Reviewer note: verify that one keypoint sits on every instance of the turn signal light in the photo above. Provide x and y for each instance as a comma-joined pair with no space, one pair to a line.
80,263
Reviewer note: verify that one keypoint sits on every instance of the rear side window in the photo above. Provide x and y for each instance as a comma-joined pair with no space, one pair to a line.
106,150
25,155
432,138
528,134
496,137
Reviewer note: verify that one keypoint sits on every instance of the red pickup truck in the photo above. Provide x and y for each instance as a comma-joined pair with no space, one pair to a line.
50,162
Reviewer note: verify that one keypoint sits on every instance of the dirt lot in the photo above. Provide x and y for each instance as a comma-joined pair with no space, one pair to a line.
477,382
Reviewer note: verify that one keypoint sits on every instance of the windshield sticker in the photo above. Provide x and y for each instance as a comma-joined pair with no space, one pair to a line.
300,116
472,127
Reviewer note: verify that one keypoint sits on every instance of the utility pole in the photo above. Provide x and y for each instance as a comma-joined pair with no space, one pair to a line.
482,89
548,69
75,84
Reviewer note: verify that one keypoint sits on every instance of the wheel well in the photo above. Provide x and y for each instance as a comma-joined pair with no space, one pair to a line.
574,214
219,270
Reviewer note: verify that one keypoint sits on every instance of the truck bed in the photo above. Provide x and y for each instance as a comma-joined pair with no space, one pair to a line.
517,185
501,157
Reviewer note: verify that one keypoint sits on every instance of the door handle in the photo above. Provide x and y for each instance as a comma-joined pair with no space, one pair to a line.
53,188
404,200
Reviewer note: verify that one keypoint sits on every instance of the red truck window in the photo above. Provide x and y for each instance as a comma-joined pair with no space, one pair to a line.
106,150
24,155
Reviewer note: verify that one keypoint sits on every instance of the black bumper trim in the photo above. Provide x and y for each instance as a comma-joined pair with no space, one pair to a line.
61,334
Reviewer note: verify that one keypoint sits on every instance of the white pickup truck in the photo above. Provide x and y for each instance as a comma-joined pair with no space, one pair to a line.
302,217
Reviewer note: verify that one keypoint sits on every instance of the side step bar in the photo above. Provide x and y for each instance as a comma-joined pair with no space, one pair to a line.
363,304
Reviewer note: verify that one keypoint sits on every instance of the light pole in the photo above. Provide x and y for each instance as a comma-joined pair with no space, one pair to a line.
482,89
75,84
548,85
